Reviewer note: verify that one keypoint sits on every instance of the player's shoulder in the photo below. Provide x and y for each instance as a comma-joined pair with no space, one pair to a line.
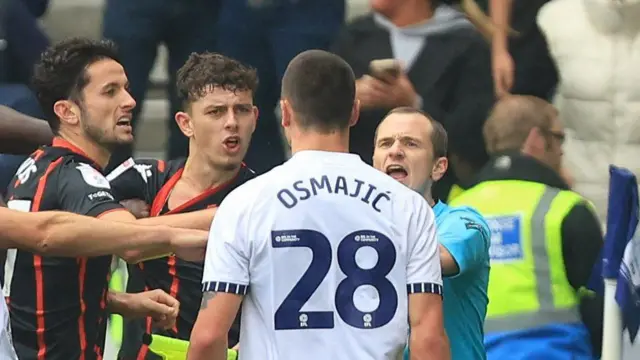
251,189
466,213
78,171
42,165
148,168
465,218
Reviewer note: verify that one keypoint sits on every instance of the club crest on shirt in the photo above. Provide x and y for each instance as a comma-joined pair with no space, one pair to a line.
93,177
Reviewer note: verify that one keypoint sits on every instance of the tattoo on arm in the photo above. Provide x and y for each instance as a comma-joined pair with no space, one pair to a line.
205,299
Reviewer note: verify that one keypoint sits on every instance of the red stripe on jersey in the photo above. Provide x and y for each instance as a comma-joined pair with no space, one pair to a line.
163,194
144,348
161,165
83,307
37,266
175,283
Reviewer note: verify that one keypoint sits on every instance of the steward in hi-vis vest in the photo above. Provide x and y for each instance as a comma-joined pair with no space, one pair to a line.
545,240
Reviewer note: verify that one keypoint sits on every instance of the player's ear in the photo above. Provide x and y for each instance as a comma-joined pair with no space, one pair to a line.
285,111
355,113
439,168
67,111
184,123
256,113
535,142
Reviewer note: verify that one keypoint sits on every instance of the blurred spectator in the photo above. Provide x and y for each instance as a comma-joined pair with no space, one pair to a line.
446,72
138,28
596,49
545,239
21,42
267,34
22,39
521,62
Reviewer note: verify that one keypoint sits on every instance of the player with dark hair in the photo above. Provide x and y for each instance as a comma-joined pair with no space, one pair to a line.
218,117
65,234
330,255
58,305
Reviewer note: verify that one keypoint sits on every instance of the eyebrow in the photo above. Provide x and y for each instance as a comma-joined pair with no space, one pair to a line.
401,138
114,84
217,105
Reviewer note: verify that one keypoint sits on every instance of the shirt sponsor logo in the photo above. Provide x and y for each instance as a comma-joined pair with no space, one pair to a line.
506,238
100,195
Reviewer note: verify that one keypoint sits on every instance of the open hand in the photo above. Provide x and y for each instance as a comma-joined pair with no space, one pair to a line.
157,304
189,244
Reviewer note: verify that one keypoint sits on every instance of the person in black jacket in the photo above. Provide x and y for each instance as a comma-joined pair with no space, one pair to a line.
446,71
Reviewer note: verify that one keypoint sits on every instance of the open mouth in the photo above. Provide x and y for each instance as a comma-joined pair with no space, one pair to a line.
124,121
397,172
232,143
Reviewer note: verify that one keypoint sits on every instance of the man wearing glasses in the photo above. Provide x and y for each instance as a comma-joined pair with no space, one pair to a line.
545,239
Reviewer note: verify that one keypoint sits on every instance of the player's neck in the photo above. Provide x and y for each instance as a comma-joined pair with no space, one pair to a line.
429,198
414,14
335,142
93,151
201,175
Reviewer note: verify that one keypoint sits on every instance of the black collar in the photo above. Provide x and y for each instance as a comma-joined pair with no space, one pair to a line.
516,166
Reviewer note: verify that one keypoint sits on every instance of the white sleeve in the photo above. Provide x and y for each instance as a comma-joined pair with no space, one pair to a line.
424,274
226,264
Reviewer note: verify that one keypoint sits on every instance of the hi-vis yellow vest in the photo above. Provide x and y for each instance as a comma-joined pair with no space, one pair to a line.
528,286
456,190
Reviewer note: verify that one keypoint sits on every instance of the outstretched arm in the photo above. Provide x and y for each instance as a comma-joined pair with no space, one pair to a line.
65,234
464,238
197,220
21,134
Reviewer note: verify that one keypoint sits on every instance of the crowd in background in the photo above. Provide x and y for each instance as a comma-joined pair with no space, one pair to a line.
456,63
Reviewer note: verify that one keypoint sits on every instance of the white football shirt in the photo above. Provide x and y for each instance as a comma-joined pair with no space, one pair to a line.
326,249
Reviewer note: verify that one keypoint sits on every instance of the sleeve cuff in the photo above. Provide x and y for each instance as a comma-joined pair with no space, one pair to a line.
225,287
424,288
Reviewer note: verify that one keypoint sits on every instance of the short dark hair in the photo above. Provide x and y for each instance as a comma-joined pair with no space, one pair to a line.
61,72
203,71
439,138
321,88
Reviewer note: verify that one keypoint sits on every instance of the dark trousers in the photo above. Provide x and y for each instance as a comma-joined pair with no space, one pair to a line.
138,27
268,38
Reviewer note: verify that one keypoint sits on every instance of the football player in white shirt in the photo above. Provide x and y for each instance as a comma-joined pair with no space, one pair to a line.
330,255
